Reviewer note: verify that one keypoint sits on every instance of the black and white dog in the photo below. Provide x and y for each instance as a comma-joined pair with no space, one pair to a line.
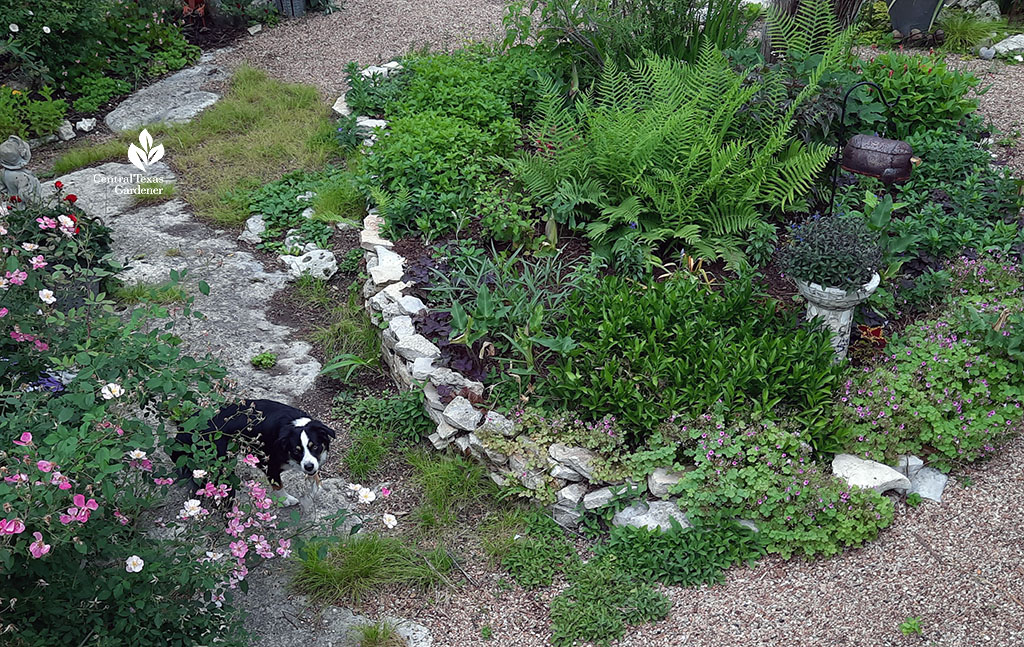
288,437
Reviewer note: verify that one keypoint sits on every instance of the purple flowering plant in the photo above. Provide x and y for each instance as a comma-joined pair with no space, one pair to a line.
764,471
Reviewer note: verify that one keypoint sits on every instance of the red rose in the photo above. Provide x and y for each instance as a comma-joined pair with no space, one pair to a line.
58,184
71,197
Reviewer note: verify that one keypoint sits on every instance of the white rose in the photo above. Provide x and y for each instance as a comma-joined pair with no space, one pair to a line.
389,520
111,391
137,454
46,296
134,564
198,474
367,496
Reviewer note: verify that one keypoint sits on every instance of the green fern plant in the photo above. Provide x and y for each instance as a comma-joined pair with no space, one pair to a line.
662,152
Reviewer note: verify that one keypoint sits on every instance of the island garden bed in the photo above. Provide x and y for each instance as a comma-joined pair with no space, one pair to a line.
646,361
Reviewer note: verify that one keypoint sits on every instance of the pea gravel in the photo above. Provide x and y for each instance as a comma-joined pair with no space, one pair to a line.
957,566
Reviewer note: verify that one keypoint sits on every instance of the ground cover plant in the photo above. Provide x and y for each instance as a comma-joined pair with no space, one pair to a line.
89,51
639,361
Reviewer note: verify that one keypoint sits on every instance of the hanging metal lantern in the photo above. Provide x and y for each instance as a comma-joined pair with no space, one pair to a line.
889,160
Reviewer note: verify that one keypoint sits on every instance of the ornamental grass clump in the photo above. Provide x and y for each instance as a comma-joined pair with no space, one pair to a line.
832,251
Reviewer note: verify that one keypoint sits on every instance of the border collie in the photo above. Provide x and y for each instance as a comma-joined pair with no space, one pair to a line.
290,438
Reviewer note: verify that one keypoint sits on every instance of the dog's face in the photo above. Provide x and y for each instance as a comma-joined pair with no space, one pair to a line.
306,442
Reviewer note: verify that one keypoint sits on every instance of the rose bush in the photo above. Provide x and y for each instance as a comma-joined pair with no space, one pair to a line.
89,397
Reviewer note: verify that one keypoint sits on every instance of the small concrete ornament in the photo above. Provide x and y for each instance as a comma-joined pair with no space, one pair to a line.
15,180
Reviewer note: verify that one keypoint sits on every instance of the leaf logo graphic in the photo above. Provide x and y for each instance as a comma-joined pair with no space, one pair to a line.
148,154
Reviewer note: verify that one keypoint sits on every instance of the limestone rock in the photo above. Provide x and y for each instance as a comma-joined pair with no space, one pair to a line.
444,375
566,516
384,303
438,442
293,240
411,305
66,131
986,53
496,423
341,108
176,99
462,444
86,125
255,29
422,368
461,414
389,268
1011,45
416,346
401,327
318,263
747,523
661,480
571,495
656,514
579,459
560,471
495,456
988,11
97,189
445,430
370,236
929,483
909,466
368,128
433,399
598,498
868,474
254,228
498,479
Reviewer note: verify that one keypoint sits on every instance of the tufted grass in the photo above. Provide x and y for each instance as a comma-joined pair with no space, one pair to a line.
449,485
380,634
261,129
360,565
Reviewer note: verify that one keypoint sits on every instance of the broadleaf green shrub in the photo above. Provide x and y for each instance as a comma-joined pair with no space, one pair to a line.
647,352
930,95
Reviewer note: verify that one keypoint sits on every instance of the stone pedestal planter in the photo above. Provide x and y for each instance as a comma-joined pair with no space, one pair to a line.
835,306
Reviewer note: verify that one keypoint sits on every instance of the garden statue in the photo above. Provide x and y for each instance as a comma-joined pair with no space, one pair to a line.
14,179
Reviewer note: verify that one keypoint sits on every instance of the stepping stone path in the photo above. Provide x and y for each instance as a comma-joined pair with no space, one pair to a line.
176,99
155,239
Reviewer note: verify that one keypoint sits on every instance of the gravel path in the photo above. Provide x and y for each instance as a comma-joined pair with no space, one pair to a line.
315,49
1002,105
957,566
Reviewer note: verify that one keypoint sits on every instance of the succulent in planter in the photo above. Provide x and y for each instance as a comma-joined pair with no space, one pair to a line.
834,261
832,251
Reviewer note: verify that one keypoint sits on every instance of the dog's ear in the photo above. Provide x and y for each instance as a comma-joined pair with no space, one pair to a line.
327,430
